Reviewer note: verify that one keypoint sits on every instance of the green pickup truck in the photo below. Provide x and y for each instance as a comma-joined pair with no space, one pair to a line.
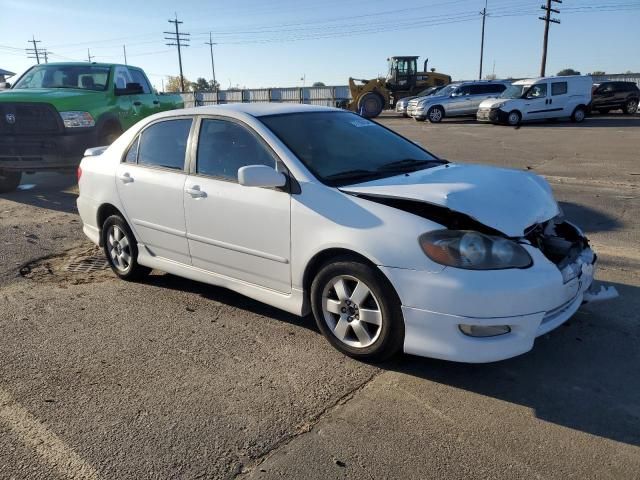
55,111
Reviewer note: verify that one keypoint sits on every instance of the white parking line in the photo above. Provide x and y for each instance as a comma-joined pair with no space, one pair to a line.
46,444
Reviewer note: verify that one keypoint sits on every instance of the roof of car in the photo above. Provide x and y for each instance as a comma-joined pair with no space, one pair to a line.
254,109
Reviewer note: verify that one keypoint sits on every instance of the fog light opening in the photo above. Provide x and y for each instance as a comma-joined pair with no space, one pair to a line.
484,331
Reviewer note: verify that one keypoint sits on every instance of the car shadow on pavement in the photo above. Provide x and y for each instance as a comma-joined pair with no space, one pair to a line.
589,219
621,121
583,375
46,190
229,298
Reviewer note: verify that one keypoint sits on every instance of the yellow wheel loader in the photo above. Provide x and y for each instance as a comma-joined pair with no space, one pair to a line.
370,97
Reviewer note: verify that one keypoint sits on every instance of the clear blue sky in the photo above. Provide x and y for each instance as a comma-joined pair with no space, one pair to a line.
274,43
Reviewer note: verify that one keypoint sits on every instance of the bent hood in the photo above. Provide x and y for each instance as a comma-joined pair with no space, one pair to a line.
490,102
509,201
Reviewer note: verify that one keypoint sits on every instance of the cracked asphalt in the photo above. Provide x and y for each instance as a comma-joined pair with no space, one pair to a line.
168,378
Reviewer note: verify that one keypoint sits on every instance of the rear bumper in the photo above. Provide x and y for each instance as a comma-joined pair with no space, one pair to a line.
45,152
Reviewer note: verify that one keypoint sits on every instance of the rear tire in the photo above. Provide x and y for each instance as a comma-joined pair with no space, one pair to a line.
630,107
357,310
9,181
578,115
435,114
121,249
370,105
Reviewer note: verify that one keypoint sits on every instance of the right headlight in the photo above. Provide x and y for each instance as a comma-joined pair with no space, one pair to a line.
498,105
473,250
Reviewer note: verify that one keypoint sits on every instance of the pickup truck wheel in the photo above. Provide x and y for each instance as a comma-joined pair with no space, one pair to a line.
109,134
121,249
630,107
9,181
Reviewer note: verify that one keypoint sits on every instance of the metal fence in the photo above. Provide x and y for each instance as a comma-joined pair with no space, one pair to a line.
325,96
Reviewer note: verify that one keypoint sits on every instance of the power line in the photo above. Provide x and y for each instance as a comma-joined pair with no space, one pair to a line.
547,20
181,40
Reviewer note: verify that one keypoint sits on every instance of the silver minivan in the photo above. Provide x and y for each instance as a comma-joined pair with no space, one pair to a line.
455,100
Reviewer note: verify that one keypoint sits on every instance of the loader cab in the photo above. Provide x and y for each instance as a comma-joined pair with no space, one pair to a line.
402,73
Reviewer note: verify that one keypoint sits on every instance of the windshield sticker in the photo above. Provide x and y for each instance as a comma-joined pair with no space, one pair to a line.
361,123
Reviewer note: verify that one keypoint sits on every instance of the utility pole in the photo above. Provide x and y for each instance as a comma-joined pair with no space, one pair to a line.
46,56
484,18
181,40
547,20
213,68
124,49
89,56
34,51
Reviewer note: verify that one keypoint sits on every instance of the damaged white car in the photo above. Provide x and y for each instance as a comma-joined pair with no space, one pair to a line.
312,209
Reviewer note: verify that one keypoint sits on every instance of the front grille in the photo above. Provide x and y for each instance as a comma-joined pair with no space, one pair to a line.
22,118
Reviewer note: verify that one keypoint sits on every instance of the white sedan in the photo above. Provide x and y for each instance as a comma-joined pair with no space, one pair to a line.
314,209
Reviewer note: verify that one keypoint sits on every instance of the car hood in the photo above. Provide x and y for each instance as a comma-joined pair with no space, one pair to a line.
491,102
48,94
509,201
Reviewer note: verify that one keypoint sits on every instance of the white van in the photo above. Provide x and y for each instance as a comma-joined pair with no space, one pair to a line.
539,99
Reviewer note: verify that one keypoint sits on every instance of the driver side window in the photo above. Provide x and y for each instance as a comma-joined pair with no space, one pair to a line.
224,147
538,91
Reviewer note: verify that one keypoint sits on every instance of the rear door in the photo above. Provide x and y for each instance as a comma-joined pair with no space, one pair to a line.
150,181
239,232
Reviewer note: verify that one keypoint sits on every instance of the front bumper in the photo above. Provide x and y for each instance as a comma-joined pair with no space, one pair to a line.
45,151
416,111
493,115
531,302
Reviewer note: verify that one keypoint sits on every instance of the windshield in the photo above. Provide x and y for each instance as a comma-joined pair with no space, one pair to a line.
514,91
84,77
447,91
429,91
342,148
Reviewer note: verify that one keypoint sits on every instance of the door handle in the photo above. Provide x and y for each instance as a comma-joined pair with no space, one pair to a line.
137,103
125,178
195,192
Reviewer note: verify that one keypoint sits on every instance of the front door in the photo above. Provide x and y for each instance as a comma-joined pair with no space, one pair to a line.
460,101
150,181
236,231
536,102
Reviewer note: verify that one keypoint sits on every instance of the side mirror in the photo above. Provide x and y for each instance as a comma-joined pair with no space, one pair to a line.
261,176
5,85
130,89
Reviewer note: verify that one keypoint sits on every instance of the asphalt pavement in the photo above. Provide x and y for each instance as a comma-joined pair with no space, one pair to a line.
169,378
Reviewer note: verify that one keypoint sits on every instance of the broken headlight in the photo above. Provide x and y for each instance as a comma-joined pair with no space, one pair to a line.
473,250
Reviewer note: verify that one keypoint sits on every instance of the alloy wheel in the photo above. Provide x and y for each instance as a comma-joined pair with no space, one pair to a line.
351,311
119,248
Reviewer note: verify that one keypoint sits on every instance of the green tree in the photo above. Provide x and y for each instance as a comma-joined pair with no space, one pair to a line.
567,72
598,72
204,85
173,84
318,84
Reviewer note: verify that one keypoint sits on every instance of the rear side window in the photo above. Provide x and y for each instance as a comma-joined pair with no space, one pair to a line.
558,88
224,147
164,144
487,88
132,153
138,77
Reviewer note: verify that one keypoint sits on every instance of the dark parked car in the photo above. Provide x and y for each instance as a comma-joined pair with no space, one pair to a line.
615,96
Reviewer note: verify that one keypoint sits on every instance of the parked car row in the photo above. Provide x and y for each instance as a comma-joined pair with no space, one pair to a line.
506,102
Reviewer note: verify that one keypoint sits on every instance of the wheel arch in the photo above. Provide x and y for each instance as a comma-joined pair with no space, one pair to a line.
105,211
323,257
108,119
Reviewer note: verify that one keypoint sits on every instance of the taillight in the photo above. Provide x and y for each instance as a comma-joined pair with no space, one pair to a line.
79,173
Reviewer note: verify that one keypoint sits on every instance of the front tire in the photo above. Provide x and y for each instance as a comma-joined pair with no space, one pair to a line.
357,310
121,249
9,181
578,115
630,107
514,118
435,114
